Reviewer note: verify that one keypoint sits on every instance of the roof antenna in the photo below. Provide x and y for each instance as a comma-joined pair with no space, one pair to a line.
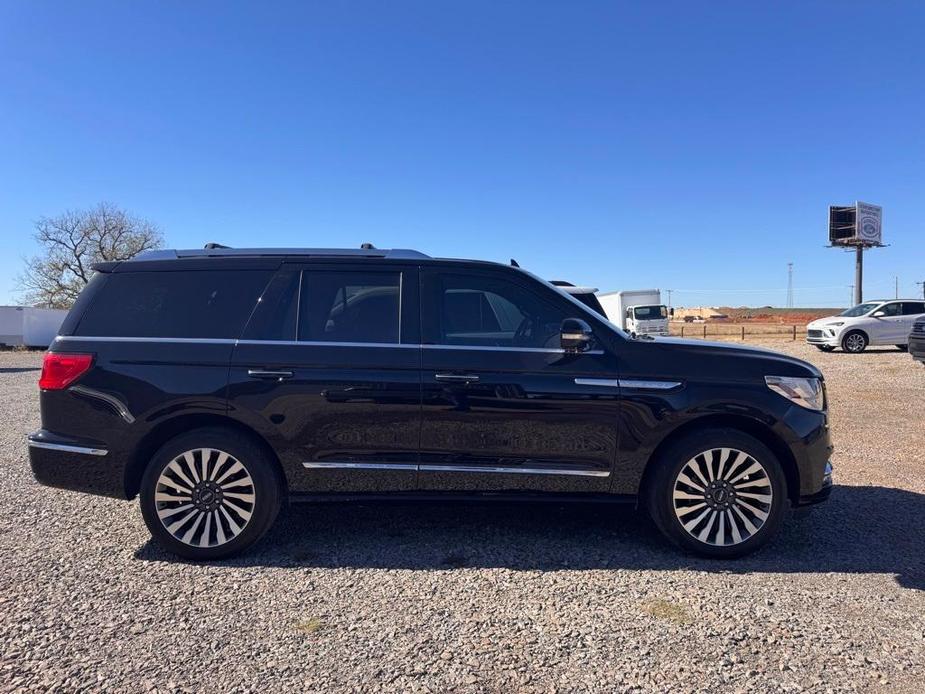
212,246
367,246
514,263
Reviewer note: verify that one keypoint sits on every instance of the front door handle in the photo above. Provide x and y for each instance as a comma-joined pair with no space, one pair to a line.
457,378
269,374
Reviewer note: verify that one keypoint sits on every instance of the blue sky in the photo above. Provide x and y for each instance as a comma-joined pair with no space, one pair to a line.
693,146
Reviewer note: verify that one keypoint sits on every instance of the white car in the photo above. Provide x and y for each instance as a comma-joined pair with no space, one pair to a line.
870,323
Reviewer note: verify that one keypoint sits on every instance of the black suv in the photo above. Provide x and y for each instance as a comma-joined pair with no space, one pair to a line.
917,340
216,384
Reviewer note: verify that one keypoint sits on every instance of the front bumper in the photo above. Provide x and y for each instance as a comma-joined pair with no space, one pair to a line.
83,466
821,495
823,336
917,347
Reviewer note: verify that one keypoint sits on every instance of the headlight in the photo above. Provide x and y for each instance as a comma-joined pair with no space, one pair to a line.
835,325
805,392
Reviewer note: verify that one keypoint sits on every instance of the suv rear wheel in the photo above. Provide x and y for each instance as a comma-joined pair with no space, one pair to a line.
209,494
718,493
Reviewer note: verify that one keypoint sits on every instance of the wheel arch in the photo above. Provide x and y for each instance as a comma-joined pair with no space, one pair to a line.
170,428
849,331
747,425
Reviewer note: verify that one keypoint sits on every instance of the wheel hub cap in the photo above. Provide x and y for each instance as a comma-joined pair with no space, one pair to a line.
722,496
204,497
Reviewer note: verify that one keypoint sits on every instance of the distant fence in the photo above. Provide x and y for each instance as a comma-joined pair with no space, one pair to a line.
738,331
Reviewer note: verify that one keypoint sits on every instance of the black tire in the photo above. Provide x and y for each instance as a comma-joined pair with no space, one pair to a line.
705,447
825,348
902,348
215,514
854,342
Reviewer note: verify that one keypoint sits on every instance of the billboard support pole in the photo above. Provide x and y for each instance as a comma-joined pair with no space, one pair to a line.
858,275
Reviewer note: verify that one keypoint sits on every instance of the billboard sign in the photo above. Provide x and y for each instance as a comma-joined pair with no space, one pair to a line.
857,225
869,223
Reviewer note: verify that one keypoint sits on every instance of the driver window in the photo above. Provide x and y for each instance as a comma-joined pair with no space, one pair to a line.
485,311
890,309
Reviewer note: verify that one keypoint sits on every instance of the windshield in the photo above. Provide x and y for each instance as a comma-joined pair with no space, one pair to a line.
860,309
650,312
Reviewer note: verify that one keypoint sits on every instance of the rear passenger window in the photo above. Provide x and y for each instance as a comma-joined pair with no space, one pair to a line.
913,308
348,306
182,303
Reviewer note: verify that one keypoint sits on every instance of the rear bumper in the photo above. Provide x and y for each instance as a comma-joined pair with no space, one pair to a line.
83,466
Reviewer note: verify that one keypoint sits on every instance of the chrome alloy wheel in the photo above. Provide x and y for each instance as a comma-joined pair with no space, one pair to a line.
722,496
204,497
855,342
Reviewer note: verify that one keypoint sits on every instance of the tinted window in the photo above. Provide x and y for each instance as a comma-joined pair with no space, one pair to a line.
890,309
913,308
275,316
492,312
182,303
348,306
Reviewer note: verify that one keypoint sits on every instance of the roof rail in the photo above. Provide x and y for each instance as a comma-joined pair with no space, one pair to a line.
217,251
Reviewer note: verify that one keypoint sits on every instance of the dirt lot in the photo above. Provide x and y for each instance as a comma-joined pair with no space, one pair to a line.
481,598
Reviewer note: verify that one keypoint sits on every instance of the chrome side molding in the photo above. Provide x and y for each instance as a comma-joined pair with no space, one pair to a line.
628,383
66,448
505,470
336,465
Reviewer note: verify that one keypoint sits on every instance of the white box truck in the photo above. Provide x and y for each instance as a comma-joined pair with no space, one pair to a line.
25,326
639,311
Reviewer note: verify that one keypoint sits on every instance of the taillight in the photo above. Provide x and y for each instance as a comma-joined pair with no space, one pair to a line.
60,370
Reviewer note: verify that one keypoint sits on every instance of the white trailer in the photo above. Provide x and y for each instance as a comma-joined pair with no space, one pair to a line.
639,311
25,326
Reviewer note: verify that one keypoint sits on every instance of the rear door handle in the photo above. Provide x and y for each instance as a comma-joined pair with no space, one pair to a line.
269,374
457,378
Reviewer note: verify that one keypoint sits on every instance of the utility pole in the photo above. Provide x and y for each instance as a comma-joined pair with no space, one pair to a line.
851,287
789,285
922,285
896,281
858,275
669,300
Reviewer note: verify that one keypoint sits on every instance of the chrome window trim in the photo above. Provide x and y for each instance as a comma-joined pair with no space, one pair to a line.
514,470
336,465
489,348
67,448
103,338
627,383
320,343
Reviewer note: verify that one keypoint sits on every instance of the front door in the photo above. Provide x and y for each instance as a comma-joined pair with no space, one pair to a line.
328,371
889,328
504,407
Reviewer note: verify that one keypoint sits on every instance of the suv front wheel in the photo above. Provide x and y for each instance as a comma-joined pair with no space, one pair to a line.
718,493
209,494
854,342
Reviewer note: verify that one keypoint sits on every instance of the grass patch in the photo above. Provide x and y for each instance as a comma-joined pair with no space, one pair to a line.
663,609
311,625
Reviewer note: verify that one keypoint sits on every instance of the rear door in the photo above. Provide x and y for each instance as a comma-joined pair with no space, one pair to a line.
505,408
328,371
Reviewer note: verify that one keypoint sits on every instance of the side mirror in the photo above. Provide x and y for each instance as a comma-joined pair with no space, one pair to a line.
671,312
879,314
575,335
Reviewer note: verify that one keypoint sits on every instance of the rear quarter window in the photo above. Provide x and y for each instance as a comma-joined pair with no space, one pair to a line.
181,303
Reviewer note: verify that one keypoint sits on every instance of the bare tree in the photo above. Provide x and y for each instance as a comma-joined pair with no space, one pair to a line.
72,242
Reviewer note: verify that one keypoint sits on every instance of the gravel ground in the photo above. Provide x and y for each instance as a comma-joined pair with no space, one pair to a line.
479,597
